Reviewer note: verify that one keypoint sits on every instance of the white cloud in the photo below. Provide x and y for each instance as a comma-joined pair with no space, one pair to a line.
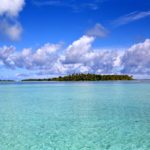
77,50
6,56
10,30
72,4
136,59
42,58
81,52
97,31
79,56
131,17
46,55
9,26
11,7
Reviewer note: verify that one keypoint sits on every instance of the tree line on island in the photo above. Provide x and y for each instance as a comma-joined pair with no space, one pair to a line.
6,80
85,77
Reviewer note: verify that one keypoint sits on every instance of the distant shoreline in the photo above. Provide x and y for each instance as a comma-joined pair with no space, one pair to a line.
83,77
7,81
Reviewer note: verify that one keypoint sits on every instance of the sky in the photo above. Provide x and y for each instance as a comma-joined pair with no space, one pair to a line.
46,38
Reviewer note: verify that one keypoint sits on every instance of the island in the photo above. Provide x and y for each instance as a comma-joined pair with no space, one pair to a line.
6,80
85,77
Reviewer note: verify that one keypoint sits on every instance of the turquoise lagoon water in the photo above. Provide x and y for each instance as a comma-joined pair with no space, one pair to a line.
75,116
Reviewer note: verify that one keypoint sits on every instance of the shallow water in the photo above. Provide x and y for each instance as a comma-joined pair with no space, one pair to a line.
75,116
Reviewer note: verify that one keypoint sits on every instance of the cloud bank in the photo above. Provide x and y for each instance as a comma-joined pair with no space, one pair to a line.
78,57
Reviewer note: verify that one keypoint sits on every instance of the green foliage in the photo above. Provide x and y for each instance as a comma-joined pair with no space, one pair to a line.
85,77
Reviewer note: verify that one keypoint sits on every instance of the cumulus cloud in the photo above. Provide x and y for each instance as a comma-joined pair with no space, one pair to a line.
11,7
9,26
97,31
136,59
90,60
10,29
77,50
6,56
42,58
78,57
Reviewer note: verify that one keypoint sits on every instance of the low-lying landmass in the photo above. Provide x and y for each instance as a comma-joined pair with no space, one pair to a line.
85,77
6,81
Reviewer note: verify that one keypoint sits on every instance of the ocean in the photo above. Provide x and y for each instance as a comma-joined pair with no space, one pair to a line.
104,115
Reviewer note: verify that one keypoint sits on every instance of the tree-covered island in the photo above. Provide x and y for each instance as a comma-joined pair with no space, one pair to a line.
85,77
6,81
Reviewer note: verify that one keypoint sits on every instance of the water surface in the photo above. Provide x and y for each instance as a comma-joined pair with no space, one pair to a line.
75,116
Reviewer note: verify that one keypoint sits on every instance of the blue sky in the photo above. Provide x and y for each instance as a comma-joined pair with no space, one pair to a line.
109,29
